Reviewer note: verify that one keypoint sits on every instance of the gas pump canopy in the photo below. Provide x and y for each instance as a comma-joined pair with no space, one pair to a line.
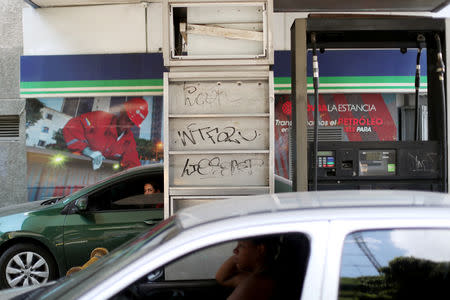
292,6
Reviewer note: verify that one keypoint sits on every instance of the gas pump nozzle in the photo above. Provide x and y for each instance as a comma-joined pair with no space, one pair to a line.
420,44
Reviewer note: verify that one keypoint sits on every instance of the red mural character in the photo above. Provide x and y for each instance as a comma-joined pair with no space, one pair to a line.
100,135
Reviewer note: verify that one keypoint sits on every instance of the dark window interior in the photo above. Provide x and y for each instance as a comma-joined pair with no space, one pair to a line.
70,106
85,105
128,194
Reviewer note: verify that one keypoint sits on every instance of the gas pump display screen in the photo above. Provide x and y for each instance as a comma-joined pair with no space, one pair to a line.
377,163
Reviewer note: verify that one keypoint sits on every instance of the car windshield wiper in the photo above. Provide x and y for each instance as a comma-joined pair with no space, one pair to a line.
51,200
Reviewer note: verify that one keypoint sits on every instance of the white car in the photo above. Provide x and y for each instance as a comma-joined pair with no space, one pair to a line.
330,245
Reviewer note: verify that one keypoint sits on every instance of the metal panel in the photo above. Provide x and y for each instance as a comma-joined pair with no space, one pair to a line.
220,137
359,5
55,3
166,138
207,30
178,203
227,133
219,99
233,169
210,33
289,5
223,191
299,105
226,97
244,18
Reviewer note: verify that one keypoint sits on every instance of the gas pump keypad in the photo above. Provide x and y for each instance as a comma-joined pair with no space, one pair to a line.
326,159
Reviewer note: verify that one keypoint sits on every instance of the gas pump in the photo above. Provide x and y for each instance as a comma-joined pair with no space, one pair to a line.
418,164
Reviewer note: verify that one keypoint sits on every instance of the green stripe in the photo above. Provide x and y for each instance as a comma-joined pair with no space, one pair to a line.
94,91
90,83
282,80
353,88
357,79
159,82
363,87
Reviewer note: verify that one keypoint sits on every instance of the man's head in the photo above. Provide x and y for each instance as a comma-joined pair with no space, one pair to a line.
134,112
251,254
151,188
246,255
137,110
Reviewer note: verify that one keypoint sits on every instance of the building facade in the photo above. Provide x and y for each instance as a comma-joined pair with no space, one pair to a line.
104,55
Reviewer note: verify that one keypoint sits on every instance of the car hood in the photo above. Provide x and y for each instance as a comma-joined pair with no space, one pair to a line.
22,208
25,292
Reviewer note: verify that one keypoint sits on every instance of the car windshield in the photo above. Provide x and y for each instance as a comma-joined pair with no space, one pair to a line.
111,263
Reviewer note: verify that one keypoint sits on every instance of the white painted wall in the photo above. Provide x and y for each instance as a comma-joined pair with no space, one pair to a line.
154,27
84,30
281,30
131,28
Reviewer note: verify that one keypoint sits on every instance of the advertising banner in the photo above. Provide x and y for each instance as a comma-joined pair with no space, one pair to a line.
351,117
361,117
73,142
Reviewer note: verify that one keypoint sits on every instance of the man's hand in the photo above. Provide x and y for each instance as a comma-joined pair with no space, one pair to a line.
96,156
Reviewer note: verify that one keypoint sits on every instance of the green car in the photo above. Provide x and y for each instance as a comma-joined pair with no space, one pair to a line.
40,241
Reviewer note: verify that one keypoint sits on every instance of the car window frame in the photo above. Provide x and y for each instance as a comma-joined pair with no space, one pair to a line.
154,168
70,208
135,177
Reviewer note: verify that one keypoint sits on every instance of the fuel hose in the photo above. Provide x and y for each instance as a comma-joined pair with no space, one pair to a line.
440,69
316,109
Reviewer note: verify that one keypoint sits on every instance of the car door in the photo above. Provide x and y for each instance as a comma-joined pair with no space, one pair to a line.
114,215
191,275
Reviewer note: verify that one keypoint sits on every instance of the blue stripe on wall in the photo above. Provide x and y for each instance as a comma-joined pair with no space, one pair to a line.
150,65
356,63
91,67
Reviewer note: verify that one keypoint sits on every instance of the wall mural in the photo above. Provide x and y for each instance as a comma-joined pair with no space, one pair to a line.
74,142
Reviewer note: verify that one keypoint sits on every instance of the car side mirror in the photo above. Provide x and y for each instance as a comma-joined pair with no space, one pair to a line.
81,204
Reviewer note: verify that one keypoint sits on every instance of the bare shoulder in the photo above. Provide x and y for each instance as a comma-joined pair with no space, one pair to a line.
254,287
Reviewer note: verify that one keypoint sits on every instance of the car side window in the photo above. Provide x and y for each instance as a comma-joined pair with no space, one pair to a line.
396,264
206,273
127,195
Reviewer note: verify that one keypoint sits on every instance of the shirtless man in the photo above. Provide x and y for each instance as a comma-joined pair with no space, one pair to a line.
249,271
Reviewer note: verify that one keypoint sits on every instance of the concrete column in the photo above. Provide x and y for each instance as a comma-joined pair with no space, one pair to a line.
13,166
299,144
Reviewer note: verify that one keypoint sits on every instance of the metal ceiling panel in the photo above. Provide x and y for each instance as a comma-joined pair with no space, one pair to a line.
59,3
359,5
293,6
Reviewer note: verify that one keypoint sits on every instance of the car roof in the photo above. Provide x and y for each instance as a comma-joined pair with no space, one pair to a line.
270,203
138,169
